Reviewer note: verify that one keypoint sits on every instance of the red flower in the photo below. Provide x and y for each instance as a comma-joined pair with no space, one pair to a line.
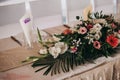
112,40
89,26
67,31
73,49
97,44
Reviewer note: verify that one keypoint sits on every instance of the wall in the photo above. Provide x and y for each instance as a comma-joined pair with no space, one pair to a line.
41,8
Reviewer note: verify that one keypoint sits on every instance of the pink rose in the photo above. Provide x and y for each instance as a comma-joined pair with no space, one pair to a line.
82,30
119,31
97,44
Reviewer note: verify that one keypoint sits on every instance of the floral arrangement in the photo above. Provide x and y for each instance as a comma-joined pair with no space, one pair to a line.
98,36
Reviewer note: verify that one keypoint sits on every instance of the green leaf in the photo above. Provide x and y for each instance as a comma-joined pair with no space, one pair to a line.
48,70
42,68
68,63
56,67
71,62
44,61
32,58
62,67
39,36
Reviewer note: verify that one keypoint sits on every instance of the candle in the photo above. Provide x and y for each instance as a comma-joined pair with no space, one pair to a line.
28,8
115,5
64,11
93,5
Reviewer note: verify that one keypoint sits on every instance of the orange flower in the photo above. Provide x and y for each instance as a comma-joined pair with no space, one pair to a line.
112,40
67,31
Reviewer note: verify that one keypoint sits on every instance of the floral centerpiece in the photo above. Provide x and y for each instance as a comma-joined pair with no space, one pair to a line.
98,36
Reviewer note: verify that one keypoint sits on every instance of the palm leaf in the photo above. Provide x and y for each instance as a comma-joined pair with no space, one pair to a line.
44,61
41,68
49,69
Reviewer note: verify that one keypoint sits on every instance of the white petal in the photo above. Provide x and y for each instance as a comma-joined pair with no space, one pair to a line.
43,51
54,51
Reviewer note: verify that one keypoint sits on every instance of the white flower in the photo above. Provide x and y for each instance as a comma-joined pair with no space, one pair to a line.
48,39
90,41
98,27
99,21
59,48
56,38
62,46
97,36
43,51
90,37
92,30
54,51
117,34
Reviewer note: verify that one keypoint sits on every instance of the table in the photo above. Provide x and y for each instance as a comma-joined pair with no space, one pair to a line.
102,68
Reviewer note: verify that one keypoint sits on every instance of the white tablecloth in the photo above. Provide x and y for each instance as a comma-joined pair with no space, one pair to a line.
102,69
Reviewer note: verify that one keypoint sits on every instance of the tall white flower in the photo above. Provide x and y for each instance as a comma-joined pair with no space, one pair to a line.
43,51
54,51
56,38
62,46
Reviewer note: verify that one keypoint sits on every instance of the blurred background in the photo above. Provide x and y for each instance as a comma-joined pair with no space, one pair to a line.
46,13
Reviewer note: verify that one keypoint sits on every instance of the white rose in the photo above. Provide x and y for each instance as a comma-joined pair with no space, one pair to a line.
98,27
43,51
99,21
97,36
54,51
62,46
92,30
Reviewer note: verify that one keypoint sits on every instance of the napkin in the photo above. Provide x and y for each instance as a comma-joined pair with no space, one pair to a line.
27,23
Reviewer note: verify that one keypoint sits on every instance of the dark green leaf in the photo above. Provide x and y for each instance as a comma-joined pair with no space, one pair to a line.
42,68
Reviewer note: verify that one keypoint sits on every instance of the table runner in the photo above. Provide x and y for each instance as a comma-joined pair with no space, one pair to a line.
12,58
11,54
